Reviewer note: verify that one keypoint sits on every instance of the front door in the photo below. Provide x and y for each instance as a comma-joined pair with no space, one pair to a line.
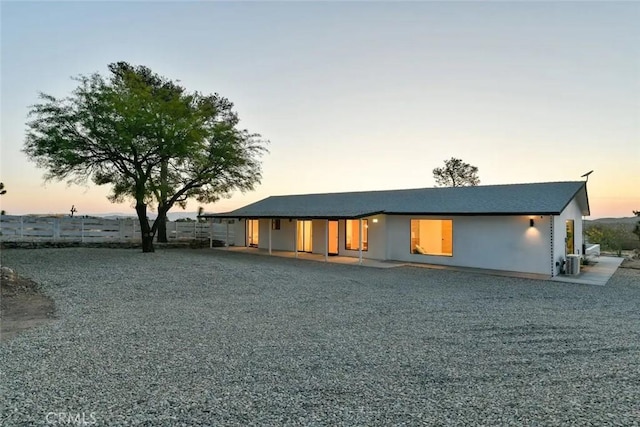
304,236
333,238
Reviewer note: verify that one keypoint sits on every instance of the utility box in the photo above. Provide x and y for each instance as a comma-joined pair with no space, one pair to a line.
573,264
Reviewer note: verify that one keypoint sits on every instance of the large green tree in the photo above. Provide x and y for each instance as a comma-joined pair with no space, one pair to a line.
146,136
456,173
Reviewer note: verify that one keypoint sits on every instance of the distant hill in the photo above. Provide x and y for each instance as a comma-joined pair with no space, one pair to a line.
152,215
625,220
630,240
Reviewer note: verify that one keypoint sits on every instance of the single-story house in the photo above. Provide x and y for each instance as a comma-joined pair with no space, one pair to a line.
528,228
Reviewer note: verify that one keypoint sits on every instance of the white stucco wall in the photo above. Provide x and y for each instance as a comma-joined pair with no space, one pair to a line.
240,230
490,242
283,239
318,228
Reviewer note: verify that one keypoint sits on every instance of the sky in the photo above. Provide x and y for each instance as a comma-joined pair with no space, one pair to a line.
354,95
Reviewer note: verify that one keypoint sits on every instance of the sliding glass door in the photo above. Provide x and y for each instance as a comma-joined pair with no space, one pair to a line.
333,238
304,236
253,229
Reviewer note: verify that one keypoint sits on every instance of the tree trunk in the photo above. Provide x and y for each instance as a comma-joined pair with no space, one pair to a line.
147,244
147,236
162,228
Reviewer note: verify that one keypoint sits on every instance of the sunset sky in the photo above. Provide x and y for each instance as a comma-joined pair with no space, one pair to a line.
355,95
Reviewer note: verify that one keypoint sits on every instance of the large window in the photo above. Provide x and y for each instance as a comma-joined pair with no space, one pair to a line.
352,235
432,237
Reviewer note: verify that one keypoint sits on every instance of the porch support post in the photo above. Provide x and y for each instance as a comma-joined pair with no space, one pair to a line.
360,244
226,239
326,240
270,227
295,243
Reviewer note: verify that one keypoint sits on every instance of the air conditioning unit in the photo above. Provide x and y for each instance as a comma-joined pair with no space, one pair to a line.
572,265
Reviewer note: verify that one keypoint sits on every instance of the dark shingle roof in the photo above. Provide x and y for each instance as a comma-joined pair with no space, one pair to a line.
549,198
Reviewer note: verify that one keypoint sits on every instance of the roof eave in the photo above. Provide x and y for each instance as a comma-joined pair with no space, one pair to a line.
584,203
368,214
449,213
231,215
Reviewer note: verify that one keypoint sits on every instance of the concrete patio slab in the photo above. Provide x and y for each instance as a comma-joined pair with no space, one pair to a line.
597,274
316,257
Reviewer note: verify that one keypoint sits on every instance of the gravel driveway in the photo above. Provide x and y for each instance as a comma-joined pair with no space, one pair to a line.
201,337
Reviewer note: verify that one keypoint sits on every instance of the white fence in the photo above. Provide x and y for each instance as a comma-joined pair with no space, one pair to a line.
224,232
80,229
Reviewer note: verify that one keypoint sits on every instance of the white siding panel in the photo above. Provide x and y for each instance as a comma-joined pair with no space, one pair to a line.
284,239
318,227
490,242
240,232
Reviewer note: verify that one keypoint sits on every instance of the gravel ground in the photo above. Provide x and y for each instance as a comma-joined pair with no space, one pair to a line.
201,337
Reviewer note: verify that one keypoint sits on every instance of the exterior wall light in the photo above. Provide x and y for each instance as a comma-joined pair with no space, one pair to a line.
531,223
375,220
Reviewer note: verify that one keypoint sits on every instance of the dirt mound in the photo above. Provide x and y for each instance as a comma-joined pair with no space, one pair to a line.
22,305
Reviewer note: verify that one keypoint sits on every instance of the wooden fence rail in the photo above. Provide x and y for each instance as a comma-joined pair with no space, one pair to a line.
81,229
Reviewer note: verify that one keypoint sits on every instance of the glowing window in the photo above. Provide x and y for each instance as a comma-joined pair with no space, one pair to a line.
432,237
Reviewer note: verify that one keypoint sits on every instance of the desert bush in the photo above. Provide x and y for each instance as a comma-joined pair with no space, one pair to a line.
611,237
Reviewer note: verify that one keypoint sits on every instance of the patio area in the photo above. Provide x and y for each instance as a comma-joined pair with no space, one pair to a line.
596,274
315,257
